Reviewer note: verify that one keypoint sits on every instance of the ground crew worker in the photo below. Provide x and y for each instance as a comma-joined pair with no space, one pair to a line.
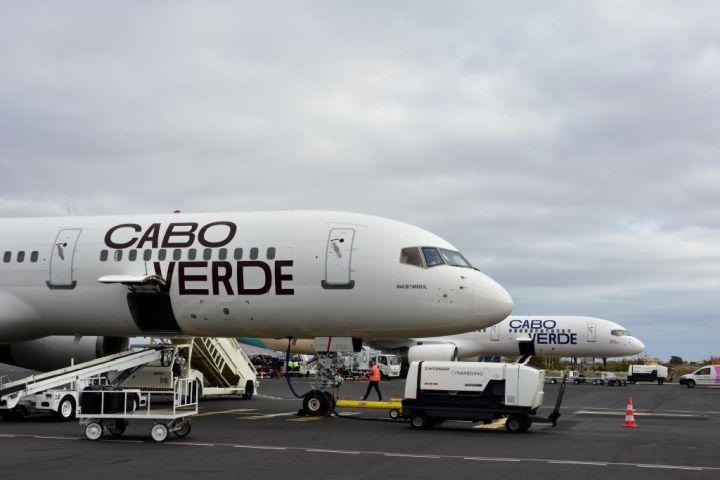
374,378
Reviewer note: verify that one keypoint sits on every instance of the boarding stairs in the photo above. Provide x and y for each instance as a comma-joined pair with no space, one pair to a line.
12,392
223,362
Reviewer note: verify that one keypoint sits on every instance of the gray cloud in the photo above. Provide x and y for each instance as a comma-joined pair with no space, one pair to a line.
570,150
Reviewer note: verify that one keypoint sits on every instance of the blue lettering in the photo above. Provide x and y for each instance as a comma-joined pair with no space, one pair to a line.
515,324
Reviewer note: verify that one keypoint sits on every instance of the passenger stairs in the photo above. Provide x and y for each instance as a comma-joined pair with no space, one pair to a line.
12,392
225,365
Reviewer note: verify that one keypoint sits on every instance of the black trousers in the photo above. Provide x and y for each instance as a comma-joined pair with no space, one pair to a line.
377,389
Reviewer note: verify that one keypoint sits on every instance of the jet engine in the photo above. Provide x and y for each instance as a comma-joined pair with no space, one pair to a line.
51,353
434,351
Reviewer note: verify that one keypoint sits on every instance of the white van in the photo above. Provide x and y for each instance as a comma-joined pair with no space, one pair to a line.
707,375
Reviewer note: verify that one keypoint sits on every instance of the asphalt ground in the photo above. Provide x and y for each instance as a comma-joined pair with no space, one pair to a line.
677,437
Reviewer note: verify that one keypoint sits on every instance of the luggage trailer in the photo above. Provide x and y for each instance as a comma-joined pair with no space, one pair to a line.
476,392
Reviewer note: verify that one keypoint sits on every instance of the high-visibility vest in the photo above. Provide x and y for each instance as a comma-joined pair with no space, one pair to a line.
374,374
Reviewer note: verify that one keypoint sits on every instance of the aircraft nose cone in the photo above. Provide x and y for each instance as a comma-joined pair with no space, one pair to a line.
491,302
638,346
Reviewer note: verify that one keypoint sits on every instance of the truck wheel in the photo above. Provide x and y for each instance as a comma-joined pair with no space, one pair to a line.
159,432
183,430
66,409
660,381
514,424
526,423
576,382
691,383
117,428
249,390
93,431
419,421
594,382
553,381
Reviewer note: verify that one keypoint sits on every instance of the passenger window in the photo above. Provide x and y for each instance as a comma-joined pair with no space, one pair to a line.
162,254
253,253
192,254
21,257
238,253
118,255
103,255
132,255
411,256
432,257
271,253
222,253
34,256
147,255
177,254
703,371
207,254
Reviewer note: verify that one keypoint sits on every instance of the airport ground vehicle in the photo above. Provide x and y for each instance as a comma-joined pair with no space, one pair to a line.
648,373
389,364
477,392
707,375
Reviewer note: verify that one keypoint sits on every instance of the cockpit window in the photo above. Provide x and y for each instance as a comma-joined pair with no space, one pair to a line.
411,256
454,258
432,257
620,333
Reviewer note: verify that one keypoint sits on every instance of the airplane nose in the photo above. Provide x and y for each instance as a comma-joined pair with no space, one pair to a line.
638,346
491,302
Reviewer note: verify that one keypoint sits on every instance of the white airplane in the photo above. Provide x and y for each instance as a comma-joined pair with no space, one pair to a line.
544,336
293,273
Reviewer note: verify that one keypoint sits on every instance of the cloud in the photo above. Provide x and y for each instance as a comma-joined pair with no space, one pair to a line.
570,150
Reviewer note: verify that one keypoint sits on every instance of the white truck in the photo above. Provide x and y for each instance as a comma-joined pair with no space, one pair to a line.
648,373
389,364
477,392
707,375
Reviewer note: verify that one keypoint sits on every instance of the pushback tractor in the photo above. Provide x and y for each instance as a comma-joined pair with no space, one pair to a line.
477,392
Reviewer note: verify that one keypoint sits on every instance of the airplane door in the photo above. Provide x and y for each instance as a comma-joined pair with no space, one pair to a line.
62,259
338,259
591,332
495,333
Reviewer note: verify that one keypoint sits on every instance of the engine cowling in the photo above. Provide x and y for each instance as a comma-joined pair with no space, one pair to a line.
437,351
50,353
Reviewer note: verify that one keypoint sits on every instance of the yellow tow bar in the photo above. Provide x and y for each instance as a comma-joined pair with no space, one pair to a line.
394,406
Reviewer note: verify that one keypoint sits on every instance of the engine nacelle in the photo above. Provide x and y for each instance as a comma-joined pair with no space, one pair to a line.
51,353
446,352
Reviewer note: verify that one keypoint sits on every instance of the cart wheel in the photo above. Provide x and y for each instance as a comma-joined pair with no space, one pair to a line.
419,420
394,413
66,409
183,430
249,390
93,431
117,428
514,424
159,432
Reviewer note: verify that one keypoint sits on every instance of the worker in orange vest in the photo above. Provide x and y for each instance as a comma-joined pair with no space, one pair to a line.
374,378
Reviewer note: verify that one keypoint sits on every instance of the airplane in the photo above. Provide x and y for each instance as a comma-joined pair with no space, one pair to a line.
544,336
79,286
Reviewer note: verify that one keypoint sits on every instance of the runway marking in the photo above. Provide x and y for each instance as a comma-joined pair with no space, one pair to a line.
397,454
307,419
621,413
225,412
320,450
267,416
268,397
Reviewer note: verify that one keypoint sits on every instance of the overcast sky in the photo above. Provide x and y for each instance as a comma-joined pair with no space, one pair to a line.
569,149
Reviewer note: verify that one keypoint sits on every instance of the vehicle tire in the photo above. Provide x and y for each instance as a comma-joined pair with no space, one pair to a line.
66,408
184,430
419,421
594,382
660,381
526,423
93,431
553,381
394,413
249,390
316,403
576,382
159,432
117,428
691,383
514,424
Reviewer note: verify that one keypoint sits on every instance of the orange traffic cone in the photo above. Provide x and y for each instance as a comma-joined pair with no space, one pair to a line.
630,414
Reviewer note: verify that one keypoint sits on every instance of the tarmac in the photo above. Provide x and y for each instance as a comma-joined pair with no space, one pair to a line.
677,437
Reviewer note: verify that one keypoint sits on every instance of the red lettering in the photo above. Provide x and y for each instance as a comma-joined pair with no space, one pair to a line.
241,278
189,235
112,244
217,278
184,278
280,277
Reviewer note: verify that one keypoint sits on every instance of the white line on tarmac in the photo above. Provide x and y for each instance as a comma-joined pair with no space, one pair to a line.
574,462
671,467
260,447
191,444
410,455
492,459
621,413
320,450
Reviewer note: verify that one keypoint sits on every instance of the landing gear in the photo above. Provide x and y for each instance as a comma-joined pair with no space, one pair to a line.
317,403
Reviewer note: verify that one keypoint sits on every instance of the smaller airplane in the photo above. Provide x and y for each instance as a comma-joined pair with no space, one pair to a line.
543,336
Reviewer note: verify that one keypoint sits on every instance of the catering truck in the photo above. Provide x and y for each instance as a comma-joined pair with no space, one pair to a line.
707,375
476,392
648,373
